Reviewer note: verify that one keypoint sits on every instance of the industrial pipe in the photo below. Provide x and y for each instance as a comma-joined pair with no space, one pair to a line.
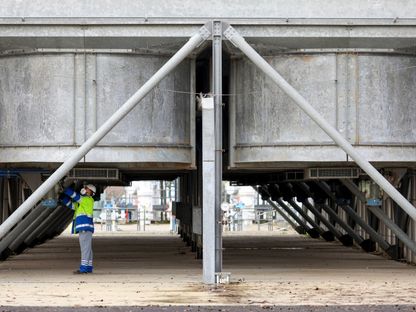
236,39
41,191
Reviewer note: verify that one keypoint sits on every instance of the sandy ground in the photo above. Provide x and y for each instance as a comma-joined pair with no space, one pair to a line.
156,268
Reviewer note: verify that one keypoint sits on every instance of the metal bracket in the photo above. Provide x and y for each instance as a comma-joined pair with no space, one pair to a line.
204,32
230,33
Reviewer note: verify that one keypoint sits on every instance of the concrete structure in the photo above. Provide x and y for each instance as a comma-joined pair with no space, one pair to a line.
66,69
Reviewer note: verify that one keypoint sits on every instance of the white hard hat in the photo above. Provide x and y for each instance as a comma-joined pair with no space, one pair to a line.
91,187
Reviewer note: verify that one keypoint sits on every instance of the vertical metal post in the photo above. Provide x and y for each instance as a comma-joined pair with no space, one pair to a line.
106,127
217,88
208,192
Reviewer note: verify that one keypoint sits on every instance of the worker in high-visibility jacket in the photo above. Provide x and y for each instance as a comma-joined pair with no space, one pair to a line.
83,205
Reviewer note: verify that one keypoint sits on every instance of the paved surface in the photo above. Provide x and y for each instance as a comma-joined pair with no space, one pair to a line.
148,272
361,308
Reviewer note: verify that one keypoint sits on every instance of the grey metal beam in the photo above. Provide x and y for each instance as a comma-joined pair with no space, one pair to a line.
18,243
54,224
407,241
208,192
325,234
235,38
217,88
304,215
297,227
373,233
19,228
325,221
149,10
354,190
37,195
343,238
312,232
30,240
342,224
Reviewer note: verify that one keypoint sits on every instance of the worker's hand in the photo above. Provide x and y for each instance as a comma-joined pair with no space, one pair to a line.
69,191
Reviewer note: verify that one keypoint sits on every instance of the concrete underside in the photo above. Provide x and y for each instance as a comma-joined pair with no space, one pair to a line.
158,269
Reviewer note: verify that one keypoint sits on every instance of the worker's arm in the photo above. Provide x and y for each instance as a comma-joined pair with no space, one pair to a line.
66,200
76,197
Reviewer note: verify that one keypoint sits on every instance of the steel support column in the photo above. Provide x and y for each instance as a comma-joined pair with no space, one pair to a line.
404,238
217,88
32,239
400,234
311,231
208,192
342,224
72,160
327,235
17,230
373,234
295,226
376,237
237,40
325,221
345,239
18,243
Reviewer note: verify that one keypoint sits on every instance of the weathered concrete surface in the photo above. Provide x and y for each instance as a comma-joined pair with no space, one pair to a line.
155,269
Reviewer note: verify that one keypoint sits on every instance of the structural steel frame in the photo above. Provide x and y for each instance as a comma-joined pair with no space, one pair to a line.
213,238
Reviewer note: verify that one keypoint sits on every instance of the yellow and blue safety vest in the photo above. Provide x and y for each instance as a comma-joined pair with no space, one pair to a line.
84,209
